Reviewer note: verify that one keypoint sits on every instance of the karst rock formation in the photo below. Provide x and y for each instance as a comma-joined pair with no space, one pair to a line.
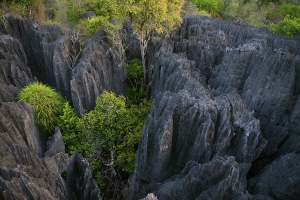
224,124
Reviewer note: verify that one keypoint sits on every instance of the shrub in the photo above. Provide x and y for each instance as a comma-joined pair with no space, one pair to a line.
211,6
89,27
288,26
136,89
48,105
288,9
108,123
72,136
126,149
287,20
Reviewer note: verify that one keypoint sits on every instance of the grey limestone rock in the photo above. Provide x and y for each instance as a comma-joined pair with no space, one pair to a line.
14,71
226,97
182,128
100,68
24,171
17,127
280,179
55,58
55,144
262,68
50,53
79,180
198,181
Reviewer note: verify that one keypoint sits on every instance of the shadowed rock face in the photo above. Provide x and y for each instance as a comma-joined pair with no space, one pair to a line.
100,68
280,179
24,171
226,97
14,73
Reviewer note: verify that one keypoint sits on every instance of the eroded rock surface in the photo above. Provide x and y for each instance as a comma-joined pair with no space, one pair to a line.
280,179
14,73
24,171
225,123
55,58
226,100
100,68
29,169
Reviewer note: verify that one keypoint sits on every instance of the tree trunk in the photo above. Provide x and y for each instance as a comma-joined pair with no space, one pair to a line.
143,47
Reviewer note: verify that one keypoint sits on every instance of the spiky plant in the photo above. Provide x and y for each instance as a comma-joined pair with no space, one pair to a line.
48,105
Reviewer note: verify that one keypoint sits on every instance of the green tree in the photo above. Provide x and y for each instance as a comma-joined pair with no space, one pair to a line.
211,6
127,148
288,26
151,16
289,23
70,126
112,130
136,90
48,105
33,8
104,128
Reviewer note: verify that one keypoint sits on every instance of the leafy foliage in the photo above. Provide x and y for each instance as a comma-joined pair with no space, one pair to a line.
136,90
288,26
72,135
32,9
126,150
290,20
107,137
89,27
151,16
48,105
105,128
113,130
108,122
211,6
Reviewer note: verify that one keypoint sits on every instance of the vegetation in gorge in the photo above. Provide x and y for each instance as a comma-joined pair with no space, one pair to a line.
108,136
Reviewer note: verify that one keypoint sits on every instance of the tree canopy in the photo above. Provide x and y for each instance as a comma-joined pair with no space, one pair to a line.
151,16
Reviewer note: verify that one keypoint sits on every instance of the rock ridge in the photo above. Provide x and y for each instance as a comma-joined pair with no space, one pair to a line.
226,97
